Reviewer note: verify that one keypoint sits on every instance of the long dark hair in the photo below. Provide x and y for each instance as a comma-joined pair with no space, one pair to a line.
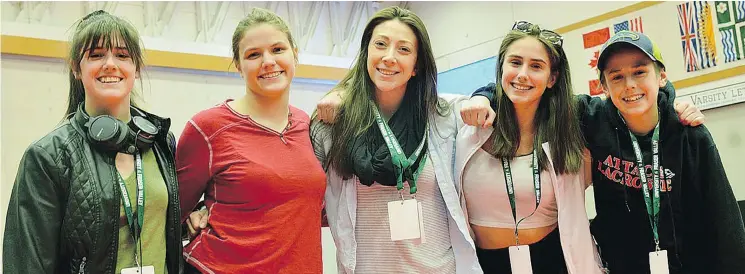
555,120
99,26
355,115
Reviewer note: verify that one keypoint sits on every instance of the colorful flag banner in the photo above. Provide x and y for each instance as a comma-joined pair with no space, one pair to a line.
731,25
697,35
593,41
634,24
596,38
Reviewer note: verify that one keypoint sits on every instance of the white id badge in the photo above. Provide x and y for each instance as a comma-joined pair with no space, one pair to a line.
136,270
520,259
658,262
403,219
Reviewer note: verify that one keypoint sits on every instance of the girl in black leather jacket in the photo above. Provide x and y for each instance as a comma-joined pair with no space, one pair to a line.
98,194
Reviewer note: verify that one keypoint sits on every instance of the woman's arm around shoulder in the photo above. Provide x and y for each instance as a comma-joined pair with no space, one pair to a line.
320,137
457,104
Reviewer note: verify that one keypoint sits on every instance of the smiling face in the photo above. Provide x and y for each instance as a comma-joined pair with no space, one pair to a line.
526,72
632,82
108,74
267,60
392,56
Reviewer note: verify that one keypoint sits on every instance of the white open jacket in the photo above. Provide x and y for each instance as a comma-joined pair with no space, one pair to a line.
579,248
341,196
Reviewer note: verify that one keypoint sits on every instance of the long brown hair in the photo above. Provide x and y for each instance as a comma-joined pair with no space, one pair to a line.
355,115
555,120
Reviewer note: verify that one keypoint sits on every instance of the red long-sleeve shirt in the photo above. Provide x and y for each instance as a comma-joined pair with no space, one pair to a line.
264,190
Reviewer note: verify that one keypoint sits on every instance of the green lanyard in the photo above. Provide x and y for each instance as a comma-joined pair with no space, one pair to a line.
652,202
135,228
400,162
511,188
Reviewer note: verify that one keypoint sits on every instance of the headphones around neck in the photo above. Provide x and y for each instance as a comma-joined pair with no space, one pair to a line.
110,134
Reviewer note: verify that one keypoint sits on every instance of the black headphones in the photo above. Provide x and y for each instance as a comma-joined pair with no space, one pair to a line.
111,134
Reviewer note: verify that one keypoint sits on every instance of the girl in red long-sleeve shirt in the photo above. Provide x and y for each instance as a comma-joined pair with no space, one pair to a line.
253,160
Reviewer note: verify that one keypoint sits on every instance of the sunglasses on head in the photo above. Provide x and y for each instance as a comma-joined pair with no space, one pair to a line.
550,36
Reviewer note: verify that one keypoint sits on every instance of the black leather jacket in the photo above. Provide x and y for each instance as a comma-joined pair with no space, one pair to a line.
63,215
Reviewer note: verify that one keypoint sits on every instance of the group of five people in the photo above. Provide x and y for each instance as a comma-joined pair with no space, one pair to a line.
406,181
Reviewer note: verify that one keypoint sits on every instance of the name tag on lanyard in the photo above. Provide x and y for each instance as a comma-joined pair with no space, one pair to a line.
405,220
136,223
658,262
520,259
405,216
657,259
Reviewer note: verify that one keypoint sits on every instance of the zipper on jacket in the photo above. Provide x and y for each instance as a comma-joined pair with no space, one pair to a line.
82,267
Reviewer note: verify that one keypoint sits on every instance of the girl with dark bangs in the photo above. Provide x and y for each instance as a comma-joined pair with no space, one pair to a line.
98,194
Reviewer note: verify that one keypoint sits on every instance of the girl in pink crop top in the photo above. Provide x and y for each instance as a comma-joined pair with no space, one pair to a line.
535,118
486,198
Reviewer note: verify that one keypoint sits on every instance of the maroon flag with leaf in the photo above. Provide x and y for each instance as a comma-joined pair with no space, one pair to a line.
592,42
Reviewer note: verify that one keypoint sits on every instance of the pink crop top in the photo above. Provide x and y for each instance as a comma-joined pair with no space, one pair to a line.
486,193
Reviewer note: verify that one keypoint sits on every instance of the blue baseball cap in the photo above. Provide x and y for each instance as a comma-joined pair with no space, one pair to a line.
636,39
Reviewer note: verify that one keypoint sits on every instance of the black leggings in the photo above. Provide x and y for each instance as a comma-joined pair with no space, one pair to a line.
546,257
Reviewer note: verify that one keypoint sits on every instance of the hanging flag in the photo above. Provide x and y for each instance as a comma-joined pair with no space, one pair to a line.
708,49
634,24
730,45
596,38
593,41
696,35
595,87
724,15
686,21
731,24
621,26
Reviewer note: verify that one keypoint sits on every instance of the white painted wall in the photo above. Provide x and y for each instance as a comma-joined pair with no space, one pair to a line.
726,126
464,32
181,31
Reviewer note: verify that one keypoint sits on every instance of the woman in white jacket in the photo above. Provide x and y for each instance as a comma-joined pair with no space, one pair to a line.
390,99
522,182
